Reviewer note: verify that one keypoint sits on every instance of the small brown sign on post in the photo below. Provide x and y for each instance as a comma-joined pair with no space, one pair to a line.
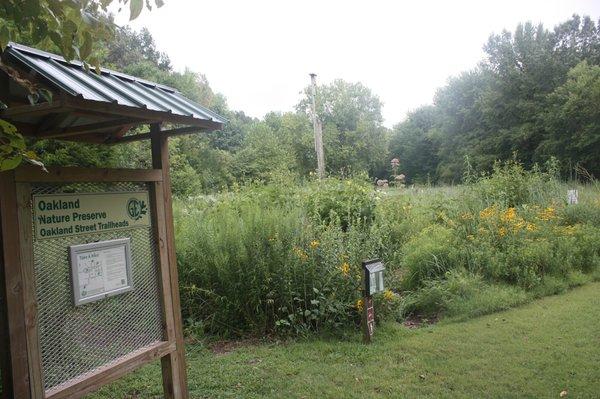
368,319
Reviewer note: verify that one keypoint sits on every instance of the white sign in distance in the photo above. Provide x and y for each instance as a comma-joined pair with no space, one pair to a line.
572,197
100,269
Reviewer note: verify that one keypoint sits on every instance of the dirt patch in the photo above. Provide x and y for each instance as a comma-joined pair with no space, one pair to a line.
223,347
417,321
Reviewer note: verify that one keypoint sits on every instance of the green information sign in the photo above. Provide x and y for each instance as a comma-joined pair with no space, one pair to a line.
59,215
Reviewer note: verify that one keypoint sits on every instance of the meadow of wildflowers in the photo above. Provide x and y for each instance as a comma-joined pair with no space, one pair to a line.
286,260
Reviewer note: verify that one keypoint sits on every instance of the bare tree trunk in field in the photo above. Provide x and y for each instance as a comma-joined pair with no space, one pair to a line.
318,128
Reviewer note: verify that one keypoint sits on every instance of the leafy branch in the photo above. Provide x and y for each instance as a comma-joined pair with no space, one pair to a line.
13,150
72,26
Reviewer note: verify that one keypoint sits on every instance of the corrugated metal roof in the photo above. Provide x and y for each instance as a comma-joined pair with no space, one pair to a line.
108,86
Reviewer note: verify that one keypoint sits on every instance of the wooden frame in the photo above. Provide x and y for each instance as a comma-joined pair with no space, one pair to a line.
70,116
20,356
14,351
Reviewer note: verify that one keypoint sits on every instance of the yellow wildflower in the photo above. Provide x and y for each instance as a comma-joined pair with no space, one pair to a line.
547,214
519,224
502,231
345,268
359,305
509,215
303,256
314,244
531,227
442,216
569,230
466,216
388,295
488,212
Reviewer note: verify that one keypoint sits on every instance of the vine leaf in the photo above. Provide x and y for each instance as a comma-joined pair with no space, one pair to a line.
135,8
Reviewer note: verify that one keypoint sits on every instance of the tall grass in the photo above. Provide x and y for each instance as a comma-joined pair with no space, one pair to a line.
253,262
286,260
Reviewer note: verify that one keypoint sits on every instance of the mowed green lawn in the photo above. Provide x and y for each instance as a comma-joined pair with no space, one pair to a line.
535,351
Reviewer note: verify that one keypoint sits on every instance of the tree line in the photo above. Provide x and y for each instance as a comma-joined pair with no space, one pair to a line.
533,97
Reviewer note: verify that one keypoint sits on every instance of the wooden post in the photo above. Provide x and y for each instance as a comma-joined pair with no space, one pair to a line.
368,319
173,365
318,128
30,305
6,390
4,88
14,348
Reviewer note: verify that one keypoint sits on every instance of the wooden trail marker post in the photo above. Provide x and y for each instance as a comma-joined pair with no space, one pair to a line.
88,277
373,283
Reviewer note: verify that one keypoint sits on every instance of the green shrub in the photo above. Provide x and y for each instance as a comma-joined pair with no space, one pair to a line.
510,184
250,264
460,295
581,213
341,201
429,255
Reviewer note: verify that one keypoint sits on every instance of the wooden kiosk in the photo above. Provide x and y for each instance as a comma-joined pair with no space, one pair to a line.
88,275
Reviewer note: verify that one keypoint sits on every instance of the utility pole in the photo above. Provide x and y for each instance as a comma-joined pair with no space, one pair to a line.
318,128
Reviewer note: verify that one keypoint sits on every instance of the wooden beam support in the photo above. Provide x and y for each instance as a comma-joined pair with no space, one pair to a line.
11,267
93,114
5,363
33,110
122,131
4,88
91,138
81,386
53,121
173,365
34,174
89,128
168,319
30,304
26,129
168,133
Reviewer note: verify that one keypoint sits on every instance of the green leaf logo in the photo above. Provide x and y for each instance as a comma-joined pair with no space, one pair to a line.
136,208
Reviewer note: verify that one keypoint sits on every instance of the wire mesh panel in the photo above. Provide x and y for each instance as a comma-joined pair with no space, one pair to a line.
74,340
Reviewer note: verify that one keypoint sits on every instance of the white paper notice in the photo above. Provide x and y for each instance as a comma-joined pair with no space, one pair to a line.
102,271
372,283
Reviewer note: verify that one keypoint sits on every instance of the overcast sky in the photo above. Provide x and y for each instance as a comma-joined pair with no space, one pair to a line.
259,53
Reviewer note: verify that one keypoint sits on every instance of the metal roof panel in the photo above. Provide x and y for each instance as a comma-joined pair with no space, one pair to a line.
108,86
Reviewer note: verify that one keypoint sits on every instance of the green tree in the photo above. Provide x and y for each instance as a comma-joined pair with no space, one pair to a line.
265,154
571,123
354,137
127,47
414,143
513,102
72,27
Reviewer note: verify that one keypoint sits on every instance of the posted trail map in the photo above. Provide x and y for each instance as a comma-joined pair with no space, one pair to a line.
100,269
